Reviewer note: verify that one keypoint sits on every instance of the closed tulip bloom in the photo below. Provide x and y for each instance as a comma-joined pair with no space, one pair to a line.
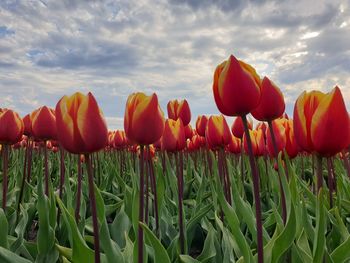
27,125
258,142
280,136
11,127
189,132
144,119
292,148
235,145
119,140
236,87
238,128
80,124
327,126
217,132
173,138
319,122
179,109
201,124
271,105
44,124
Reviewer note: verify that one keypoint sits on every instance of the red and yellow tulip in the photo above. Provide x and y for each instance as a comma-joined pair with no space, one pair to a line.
179,109
217,132
173,138
236,87
11,127
201,124
81,127
43,124
144,119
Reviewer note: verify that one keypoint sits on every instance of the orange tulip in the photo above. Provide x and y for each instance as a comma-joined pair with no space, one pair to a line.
81,127
179,109
144,119
319,122
11,127
173,138
258,142
237,127
236,87
235,145
280,136
201,124
44,124
217,132
271,104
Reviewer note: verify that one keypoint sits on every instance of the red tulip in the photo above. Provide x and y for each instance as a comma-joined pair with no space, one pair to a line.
271,104
81,127
144,119
319,122
292,148
258,142
236,87
119,139
11,127
179,109
27,125
238,129
173,138
217,132
235,145
189,132
44,124
201,124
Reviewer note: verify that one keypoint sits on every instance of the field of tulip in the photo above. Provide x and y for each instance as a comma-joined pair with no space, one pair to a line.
161,191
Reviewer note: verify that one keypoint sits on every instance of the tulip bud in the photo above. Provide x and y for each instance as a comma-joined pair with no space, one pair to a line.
319,122
144,119
217,132
238,128
179,109
173,138
271,105
81,127
201,124
280,137
236,87
11,127
44,124
235,145
258,143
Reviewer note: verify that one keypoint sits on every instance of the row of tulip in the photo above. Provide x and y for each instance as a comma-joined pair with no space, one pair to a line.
320,126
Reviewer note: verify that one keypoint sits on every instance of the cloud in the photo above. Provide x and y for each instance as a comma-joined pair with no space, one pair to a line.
51,48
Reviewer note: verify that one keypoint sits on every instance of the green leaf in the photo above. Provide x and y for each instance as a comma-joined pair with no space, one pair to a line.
320,238
160,253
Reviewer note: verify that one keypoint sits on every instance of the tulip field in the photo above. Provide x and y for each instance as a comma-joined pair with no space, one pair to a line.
276,189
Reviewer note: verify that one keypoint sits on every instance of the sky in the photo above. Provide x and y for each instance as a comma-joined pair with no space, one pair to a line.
52,48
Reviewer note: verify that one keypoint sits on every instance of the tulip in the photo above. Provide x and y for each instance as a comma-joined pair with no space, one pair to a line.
189,132
83,130
271,104
319,122
279,132
11,127
235,145
179,109
173,138
27,125
144,119
119,139
201,124
258,142
80,124
236,87
217,132
292,148
43,124
237,127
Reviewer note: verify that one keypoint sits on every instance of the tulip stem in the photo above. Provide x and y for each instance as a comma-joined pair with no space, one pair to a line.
46,167
283,198
154,186
256,183
26,153
141,206
77,207
62,175
179,169
319,172
330,181
4,182
93,208
30,158
346,162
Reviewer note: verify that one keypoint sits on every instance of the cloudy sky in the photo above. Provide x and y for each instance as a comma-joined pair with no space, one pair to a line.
49,48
